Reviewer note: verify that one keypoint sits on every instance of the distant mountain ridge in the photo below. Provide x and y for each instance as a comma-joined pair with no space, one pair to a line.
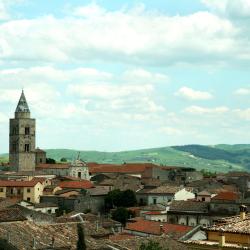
219,158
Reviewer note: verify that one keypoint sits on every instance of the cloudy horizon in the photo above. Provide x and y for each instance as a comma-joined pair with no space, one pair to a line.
104,75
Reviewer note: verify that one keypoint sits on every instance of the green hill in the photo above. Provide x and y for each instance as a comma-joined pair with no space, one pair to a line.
219,158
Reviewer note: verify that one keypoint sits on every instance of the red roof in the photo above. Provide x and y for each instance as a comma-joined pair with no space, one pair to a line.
124,168
228,196
154,227
31,183
53,166
84,184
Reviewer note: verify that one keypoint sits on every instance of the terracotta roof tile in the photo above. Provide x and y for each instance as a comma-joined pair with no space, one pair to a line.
123,168
188,206
228,196
84,184
11,214
154,227
32,183
52,166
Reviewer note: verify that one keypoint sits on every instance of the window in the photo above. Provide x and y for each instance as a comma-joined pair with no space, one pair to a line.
26,147
79,174
28,190
27,130
14,131
203,199
18,191
41,160
28,198
154,200
11,191
1,190
14,147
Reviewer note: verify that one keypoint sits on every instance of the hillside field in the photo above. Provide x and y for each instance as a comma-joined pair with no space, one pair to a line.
216,158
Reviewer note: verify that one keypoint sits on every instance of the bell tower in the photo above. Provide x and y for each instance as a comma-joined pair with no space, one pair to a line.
22,139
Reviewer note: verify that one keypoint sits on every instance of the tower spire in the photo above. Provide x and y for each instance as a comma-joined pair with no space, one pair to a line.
22,105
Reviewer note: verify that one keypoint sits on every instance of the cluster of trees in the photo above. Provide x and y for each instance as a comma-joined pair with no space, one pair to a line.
119,201
50,161
117,198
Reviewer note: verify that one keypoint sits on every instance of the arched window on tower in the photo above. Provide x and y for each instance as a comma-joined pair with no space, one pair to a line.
27,148
27,130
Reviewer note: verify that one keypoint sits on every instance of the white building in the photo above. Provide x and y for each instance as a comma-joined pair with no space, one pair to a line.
163,195
77,169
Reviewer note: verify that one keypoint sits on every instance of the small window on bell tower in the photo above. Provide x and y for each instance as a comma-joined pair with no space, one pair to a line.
14,148
27,130
27,148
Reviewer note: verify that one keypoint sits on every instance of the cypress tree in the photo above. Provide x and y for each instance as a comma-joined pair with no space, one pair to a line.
81,245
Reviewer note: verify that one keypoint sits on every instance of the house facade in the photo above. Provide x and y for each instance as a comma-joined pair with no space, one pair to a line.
162,195
24,190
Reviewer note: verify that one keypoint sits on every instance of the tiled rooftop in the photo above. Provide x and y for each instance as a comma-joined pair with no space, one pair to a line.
31,183
154,227
83,184
189,206
226,196
233,224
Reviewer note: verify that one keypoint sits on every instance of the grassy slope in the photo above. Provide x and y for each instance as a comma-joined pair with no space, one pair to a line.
219,158
165,156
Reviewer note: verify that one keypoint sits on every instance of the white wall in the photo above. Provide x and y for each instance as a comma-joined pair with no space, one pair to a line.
183,195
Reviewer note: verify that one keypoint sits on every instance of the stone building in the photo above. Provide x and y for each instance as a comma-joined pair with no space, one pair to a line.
40,156
22,139
77,169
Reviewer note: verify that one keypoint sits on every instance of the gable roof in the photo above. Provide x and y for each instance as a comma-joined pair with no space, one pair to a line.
42,166
188,206
226,196
116,168
32,183
204,193
160,190
11,214
156,228
84,184
232,224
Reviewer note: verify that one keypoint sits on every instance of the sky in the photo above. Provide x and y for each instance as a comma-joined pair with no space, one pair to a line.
115,75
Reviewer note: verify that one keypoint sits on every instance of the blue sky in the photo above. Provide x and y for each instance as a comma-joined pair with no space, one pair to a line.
120,75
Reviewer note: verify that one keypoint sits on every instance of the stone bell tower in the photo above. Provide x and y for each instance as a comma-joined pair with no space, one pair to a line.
22,139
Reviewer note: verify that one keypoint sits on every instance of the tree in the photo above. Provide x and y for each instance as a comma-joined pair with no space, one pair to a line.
122,215
50,161
63,159
151,245
113,199
81,245
128,198
119,198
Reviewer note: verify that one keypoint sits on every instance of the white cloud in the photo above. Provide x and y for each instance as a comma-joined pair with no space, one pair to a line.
243,113
197,110
3,118
192,94
170,131
233,8
143,76
243,91
109,91
137,37
89,11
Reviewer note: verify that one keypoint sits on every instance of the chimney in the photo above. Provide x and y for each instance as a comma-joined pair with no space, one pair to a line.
243,210
222,240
